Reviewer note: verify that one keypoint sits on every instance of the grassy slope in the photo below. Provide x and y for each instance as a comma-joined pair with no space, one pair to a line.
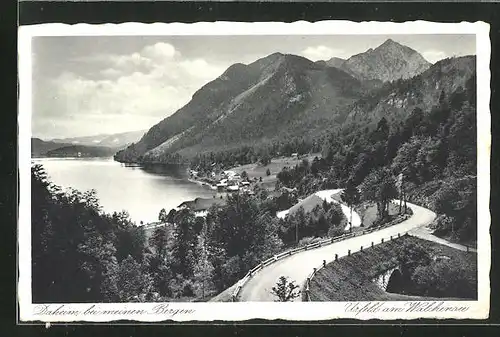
308,204
275,166
369,214
349,279
225,296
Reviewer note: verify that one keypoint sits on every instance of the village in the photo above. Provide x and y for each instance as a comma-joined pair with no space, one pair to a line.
225,181
240,179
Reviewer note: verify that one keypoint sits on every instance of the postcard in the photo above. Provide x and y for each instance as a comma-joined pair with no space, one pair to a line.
230,171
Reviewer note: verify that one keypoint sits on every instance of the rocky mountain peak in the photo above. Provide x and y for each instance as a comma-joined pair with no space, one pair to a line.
388,62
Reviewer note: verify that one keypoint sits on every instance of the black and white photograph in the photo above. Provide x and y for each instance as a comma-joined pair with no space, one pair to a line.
180,171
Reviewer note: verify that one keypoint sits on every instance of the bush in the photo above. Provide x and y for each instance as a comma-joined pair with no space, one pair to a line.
335,231
181,287
308,240
445,278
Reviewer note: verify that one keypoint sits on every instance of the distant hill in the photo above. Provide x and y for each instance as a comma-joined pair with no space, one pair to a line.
81,151
118,140
39,148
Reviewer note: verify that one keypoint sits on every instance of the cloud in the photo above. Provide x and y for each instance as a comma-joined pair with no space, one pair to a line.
160,51
434,55
321,53
137,90
110,72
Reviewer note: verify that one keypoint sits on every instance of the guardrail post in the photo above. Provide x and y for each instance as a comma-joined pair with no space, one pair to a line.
233,298
361,248
349,252
372,243
324,263
331,240
290,253
336,257
391,237
467,248
399,235
314,270
382,240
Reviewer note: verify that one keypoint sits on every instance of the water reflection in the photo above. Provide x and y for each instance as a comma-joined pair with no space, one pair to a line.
142,191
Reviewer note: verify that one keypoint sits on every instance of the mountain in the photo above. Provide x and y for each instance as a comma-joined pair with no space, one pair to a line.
336,62
81,151
397,100
388,62
118,140
39,147
274,96
280,97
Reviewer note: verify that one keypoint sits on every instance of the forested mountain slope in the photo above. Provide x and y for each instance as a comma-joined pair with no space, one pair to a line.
280,98
248,104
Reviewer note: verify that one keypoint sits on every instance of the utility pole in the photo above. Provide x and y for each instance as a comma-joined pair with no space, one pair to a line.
297,232
400,185
350,222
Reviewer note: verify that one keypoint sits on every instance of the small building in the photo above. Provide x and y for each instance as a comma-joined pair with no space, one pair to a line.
295,155
203,213
245,183
233,188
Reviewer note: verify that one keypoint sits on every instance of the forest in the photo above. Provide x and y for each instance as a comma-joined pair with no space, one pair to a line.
82,254
434,150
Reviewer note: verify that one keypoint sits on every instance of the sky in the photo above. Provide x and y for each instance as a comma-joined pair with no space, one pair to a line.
85,86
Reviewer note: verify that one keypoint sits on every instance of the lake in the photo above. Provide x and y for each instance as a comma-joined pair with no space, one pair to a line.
141,191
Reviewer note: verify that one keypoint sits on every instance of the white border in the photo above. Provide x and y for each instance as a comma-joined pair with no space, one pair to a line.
310,311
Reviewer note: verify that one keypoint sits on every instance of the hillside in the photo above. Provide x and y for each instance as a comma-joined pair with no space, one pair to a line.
81,151
282,97
350,278
396,100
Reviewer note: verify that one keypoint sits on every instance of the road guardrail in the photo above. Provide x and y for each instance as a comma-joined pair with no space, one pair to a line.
314,245
306,297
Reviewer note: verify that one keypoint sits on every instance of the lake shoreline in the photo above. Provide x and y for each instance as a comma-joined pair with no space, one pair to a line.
141,190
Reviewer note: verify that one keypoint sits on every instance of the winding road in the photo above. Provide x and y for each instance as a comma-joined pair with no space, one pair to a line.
297,267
